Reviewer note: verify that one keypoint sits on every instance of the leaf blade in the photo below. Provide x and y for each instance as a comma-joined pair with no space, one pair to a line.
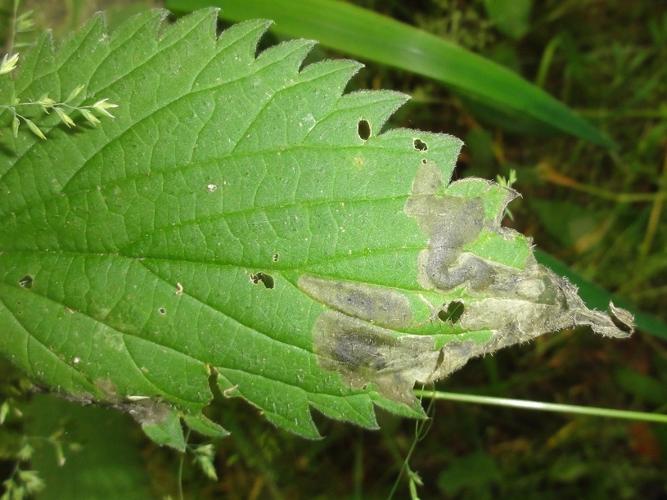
131,254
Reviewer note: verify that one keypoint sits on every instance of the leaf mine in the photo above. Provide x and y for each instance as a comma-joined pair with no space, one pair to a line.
516,304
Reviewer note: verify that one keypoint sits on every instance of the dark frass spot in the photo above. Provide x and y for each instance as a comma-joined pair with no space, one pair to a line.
621,319
453,312
265,279
419,145
364,130
162,311
26,281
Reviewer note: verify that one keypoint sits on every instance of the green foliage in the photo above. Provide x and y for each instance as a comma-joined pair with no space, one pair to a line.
98,458
511,17
165,429
605,60
474,474
243,220
203,458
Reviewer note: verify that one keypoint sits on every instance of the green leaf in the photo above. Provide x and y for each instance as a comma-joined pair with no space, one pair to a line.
644,387
204,426
368,35
242,221
165,429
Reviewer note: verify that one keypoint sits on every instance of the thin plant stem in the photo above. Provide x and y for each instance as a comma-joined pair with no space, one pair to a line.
650,292
421,429
654,216
549,174
179,475
12,34
358,473
545,61
404,466
541,406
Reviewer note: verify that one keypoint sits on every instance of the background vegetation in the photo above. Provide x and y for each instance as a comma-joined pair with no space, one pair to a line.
600,211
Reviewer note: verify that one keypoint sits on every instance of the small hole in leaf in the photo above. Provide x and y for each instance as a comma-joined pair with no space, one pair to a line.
364,129
275,257
419,145
162,311
424,161
220,27
453,312
26,281
265,279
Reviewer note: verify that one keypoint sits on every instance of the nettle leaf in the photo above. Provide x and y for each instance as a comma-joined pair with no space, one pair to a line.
244,222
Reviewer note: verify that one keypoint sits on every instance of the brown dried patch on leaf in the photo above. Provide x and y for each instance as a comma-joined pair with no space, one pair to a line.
144,409
367,354
516,305
357,337
375,304
451,222
540,302
147,411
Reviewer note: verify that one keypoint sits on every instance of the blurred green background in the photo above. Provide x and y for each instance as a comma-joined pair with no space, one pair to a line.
599,210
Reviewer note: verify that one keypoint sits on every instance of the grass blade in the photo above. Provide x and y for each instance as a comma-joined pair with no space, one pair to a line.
368,35
541,406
